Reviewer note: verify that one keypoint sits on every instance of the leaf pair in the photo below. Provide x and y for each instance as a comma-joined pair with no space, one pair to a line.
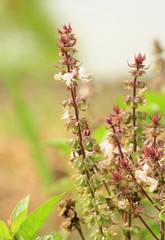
24,226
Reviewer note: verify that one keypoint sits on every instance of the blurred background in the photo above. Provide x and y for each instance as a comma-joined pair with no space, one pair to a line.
33,153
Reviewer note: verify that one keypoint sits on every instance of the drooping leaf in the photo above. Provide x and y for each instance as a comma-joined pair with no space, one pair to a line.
34,221
4,231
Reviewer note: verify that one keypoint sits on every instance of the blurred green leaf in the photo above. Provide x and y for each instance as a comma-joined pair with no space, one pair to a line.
25,120
147,235
99,133
63,184
35,220
59,144
154,103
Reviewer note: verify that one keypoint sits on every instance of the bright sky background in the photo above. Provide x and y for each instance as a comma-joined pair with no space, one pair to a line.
110,32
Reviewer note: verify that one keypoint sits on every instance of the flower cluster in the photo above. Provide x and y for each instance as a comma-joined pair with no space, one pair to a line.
114,176
68,53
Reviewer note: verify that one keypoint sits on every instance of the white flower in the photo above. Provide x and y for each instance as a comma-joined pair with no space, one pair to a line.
146,167
66,77
106,148
57,77
153,184
141,175
123,204
65,115
83,75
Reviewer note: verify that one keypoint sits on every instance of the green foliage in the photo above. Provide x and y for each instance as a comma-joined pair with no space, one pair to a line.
155,103
28,127
4,231
19,214
162,215
24,226
59,144
100,132
54,236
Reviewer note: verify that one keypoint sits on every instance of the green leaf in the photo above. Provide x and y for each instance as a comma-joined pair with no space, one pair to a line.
60,144
4,231
34,221
100,133
21,207
26,122
19,214
54,236
162,215
62,185
17,222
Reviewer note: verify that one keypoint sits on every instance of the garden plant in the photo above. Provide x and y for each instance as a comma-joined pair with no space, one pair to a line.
119,181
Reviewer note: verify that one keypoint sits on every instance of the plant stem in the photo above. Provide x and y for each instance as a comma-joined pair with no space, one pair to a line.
144,192
73,91
80,232
162,230
148,228
73,94
134,115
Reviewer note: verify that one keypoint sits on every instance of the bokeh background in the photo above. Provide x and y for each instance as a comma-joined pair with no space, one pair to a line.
33,157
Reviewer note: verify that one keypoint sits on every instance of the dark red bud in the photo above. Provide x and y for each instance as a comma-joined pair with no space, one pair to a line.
87,132
109,120
139,58
116,109
156,119
64,40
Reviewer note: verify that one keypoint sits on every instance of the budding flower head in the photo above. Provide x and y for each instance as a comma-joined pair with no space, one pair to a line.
156,119
66,29
109,120
139,58
116,109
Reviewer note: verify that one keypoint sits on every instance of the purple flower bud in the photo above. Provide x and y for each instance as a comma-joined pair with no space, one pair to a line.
109,120
116,109
156,119
139,58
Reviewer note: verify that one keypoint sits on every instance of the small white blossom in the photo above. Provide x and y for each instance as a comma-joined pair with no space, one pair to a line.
65,115
153,184
146,167
84,75
57,77
106,148
123,204
66,77
141,175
